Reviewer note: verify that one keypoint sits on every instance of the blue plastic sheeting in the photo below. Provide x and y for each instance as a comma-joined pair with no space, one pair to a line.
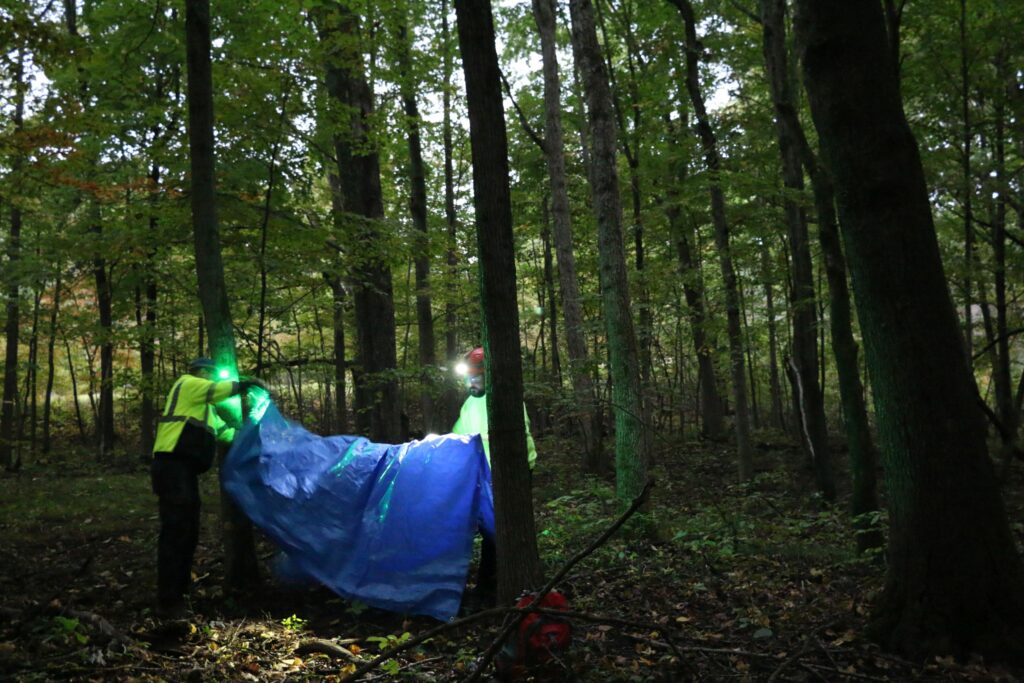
389,525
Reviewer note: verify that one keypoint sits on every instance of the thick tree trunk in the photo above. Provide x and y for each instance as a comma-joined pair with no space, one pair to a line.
518,560
240,567
944,498
805,322
864,499
572,313
378,406
631,439
718,217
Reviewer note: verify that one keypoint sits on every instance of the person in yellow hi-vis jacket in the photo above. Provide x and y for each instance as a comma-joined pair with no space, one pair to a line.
473,420
185,447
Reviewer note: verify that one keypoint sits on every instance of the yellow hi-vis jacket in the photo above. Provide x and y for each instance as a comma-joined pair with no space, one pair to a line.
191,402
473,420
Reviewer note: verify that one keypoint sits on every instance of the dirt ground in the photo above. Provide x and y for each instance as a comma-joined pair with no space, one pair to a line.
719,582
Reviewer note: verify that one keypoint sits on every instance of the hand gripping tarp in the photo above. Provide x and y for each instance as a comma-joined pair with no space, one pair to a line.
389,525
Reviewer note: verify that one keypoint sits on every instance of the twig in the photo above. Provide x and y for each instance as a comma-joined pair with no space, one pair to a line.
603,619
789,660
537,139
326,647
511,624
418,662
841,672
389,654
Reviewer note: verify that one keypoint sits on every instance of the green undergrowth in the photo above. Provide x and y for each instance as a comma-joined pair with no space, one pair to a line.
713,580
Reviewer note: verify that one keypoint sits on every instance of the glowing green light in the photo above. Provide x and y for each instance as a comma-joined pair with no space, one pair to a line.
224,374
259,401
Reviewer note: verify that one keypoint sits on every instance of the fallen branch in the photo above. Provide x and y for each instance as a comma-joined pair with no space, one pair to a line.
390,653
512,624
326,647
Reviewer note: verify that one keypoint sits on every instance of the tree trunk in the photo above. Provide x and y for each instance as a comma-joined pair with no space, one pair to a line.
32,378
805,321
863,458
572,313
778,419
732,301
548,302
13,306
418,212
944,498
74,386
712,408
452,395
968,188
378,407
50,368
147,344
518,560
240,567
1005,404
338,310
631,439
104,301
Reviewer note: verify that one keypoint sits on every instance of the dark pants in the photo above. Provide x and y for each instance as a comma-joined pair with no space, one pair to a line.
176,484
487,572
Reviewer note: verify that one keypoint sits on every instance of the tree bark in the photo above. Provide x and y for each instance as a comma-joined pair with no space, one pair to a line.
452,396
378,406
805,322
147,344
104,304
968,189
631,438
712,408
50,368
778,419
572,313
13,305
240,567
518,559
418,212
32,378
944,497
1006,407
718,216
862,455
338,312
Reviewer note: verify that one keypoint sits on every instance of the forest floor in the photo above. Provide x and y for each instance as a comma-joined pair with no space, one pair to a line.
755,582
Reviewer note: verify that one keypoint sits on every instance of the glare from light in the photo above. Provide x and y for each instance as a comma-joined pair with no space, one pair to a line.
462,369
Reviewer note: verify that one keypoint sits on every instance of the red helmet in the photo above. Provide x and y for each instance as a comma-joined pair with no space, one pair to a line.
475,361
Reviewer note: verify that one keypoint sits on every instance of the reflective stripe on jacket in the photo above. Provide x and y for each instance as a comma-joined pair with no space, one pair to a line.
190,402
473,420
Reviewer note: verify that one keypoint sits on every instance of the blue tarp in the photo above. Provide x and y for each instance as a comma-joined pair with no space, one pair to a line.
389,525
